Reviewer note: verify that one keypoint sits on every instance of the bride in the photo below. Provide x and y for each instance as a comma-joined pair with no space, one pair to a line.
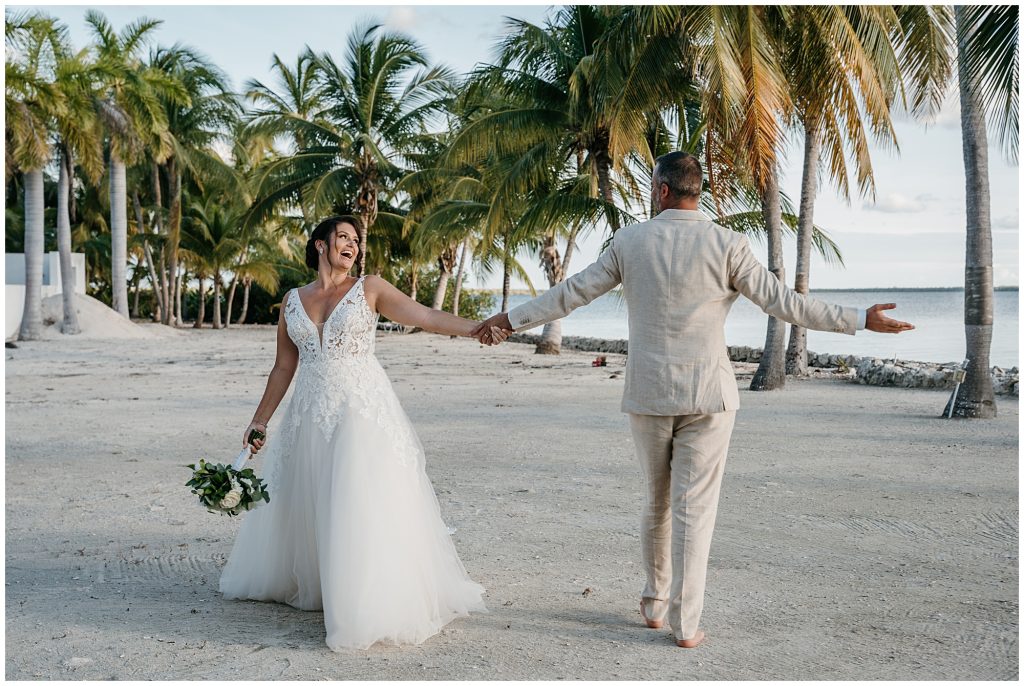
353,526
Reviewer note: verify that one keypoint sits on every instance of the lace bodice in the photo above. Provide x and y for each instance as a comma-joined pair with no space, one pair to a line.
338,372
348,330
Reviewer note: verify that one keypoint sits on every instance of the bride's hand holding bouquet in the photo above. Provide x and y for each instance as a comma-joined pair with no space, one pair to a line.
230,489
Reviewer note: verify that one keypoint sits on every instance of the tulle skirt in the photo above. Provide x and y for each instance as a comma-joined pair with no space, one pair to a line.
353,528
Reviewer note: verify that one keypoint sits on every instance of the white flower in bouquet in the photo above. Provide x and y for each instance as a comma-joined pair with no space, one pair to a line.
226,489
233,497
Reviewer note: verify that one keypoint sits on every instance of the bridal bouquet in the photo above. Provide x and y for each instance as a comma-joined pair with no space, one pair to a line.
227,489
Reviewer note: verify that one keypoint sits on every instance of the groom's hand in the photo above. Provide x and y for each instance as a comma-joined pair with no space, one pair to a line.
494,330
876,321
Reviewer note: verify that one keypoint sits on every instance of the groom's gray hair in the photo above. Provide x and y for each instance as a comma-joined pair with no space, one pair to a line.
682,172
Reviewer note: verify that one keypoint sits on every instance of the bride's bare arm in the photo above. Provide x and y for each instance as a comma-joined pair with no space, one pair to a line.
400,308
285,363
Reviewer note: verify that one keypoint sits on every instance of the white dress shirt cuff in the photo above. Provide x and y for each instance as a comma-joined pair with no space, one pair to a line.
862,319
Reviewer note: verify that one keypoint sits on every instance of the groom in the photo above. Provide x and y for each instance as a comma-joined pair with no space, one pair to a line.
680,274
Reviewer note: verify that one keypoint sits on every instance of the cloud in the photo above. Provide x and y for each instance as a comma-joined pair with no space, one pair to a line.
1007,221
401,19
897,203
1006,275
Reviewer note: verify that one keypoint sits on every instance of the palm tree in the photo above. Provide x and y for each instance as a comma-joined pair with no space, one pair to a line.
987,40
194,124
263,243
298,97
374,104
269,122
843,77
209,240
546,96
130,108
31,102
753,135
257,264
79,140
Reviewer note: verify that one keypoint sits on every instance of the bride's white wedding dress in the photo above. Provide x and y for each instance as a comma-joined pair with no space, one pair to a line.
353,526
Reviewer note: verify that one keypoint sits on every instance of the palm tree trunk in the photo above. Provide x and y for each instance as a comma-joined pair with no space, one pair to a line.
67,271
158,304
166,275
442,289
771,372
179,281
216,300
136,287
245,302
165,286
32,314
796,354
458,278
201,310
147,253
570,246
506,283
415,280
445,264
604,183
174,234
118,236
367,204
231,300
976,397
551,337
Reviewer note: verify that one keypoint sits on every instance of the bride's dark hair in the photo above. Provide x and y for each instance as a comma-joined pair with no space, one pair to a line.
322,232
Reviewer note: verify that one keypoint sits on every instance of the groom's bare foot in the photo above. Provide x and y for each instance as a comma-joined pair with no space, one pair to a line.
651,623
693,642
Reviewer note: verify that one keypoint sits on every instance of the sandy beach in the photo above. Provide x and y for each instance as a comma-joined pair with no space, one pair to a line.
858,535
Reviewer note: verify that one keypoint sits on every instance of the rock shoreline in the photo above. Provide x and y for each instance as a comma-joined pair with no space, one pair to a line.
872,371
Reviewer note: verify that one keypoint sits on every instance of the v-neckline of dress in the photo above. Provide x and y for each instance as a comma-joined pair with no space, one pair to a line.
320,332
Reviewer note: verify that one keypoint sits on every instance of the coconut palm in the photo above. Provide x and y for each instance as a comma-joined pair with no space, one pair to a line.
207,113
79,141
734,54
31,102
263,243
298,97
210,241
257,263
375,102
555,103
843,77
129,105
269,123
469,202
987,39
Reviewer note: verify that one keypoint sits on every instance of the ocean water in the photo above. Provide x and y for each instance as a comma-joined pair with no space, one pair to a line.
938,316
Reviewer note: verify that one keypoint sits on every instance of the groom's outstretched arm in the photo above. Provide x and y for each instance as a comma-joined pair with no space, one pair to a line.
760,286
594,281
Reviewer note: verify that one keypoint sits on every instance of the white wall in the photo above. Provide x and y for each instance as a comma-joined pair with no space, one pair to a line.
14,276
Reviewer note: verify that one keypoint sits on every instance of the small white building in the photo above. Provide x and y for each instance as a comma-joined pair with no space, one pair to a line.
14,269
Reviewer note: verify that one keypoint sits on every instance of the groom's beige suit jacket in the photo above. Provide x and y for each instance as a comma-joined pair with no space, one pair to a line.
680,274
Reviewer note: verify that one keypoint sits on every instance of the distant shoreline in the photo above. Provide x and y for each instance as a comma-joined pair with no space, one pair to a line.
930,289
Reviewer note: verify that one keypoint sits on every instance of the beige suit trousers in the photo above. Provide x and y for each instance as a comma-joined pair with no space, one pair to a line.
682,460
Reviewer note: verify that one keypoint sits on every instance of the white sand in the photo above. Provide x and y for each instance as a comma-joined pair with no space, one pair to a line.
859,537
97,321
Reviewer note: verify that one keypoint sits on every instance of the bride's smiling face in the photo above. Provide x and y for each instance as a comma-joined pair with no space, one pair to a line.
343,248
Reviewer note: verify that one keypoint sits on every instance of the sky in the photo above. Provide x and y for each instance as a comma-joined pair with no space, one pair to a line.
911,235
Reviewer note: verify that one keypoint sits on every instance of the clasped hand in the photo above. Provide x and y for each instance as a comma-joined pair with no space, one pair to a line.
494,330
